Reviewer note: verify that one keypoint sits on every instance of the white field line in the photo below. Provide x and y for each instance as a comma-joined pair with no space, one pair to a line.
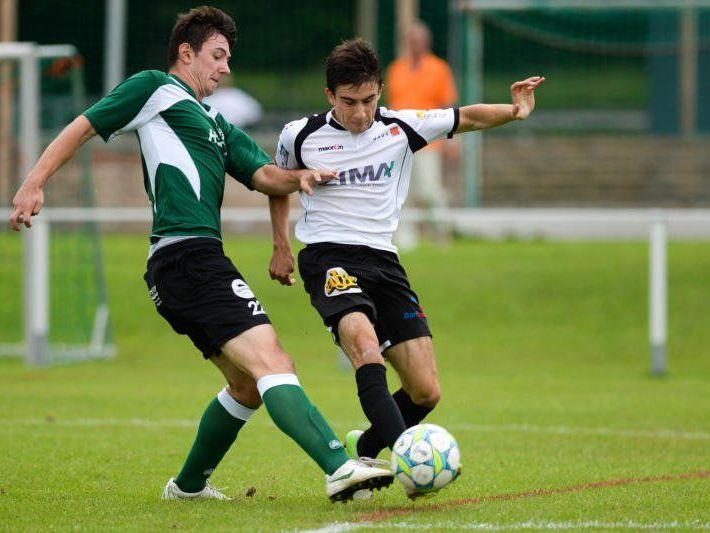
569,430
503,428
340,527
100,422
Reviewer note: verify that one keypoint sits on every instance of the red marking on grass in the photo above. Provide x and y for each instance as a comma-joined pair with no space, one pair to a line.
400,511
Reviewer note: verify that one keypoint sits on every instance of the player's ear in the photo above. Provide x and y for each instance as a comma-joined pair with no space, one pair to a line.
330,96
185,53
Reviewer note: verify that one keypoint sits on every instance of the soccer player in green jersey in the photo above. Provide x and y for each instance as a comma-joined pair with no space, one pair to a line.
186,148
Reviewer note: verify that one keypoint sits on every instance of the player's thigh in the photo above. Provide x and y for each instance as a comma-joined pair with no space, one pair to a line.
200,292
400,317
333,277
257,353
415,362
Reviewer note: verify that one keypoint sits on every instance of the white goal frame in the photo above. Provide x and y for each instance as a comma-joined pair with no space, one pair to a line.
486,222
35,244
656,225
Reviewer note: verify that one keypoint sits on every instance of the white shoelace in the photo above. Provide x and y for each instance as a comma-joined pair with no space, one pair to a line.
217,492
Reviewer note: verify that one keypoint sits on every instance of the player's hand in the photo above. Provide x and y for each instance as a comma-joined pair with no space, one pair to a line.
28,202
309,178
523,95
281,266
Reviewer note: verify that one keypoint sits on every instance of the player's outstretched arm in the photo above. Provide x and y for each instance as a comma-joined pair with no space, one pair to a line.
282,262
29,199
484,116
276,181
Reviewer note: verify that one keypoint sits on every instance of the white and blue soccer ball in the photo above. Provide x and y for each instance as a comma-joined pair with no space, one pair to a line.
425,458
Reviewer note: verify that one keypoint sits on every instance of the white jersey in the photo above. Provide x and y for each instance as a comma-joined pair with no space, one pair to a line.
363,205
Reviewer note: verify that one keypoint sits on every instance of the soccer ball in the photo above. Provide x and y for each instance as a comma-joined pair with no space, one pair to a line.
425,458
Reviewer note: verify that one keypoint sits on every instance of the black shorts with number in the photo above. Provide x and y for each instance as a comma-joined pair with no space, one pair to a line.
341,278
201,294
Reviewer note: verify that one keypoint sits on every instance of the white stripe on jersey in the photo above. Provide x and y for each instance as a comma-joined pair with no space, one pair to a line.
364,204
161,145
163,98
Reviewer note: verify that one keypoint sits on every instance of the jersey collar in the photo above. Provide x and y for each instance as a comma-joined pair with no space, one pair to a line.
334,123
184,85
330,118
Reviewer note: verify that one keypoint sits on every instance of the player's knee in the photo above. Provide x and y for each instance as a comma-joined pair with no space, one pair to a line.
367,355
427,396
278,362
359,341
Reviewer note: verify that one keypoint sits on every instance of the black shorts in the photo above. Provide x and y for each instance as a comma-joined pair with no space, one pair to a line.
201,294
341,278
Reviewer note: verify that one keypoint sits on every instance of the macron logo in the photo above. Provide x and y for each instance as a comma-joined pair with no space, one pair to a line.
331,147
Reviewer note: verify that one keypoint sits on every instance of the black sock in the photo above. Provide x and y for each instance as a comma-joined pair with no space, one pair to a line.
378,405
370,444
411,412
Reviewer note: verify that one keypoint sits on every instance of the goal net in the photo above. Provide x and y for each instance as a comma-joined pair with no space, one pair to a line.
623,117
51,277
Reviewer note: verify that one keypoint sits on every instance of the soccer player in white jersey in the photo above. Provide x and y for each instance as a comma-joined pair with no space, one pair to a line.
349,266
186,149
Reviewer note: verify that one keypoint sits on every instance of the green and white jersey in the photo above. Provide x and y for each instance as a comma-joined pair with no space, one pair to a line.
186,148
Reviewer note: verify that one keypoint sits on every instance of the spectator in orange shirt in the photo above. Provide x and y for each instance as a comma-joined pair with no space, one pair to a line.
420,80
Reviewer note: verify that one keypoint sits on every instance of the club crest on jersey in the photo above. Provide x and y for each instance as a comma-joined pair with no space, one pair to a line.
394,130
355,176
282,155
338,281
217,137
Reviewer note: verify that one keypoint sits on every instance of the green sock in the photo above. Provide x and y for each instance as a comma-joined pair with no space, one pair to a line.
296,416
217,432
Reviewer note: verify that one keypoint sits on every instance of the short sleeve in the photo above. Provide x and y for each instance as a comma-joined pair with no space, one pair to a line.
428,124
123,108
285,156
244,156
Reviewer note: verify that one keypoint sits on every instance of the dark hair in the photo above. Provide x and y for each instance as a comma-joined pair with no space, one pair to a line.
352,62
198,25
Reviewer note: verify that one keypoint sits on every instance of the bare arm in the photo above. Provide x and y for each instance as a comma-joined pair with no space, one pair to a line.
29,199
276,181
282,262
484,116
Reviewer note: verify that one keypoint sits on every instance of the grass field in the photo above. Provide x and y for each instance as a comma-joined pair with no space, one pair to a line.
543,356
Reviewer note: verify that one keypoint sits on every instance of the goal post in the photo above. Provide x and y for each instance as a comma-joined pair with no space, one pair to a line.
652,224
658,294
35,320
38,267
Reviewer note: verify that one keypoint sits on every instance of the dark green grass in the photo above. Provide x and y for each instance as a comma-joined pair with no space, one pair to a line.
543,356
